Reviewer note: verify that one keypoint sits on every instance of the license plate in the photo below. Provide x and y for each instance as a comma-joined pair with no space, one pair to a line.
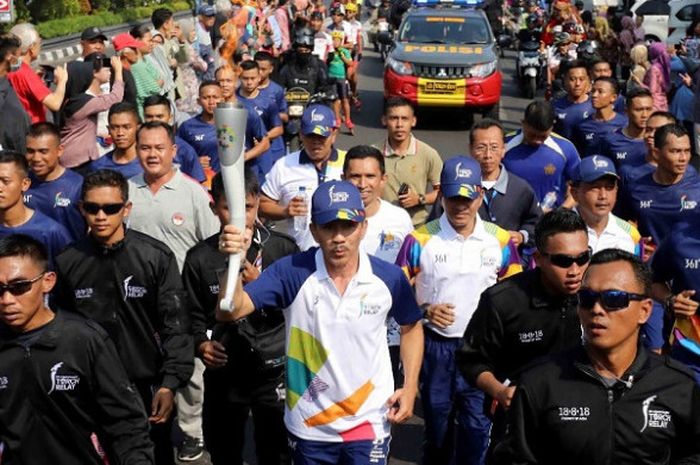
296,110
439,87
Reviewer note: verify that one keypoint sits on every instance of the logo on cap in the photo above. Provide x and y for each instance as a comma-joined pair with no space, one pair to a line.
337,197
598,163
462,172
316,118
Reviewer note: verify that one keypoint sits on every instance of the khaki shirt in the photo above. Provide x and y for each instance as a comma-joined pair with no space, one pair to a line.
419,168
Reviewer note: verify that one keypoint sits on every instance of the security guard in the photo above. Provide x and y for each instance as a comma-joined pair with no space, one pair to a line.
230,397
64,394
130,284
529,315
609,401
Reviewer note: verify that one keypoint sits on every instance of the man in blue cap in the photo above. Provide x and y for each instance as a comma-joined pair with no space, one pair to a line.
204,25
451,261
293,179
340,397
595,191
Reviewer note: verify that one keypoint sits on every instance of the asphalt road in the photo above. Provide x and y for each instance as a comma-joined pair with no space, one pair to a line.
448,133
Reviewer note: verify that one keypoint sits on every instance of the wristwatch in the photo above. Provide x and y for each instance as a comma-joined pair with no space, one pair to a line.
421,199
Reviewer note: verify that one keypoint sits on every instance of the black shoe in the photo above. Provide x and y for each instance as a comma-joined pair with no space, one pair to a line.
190,450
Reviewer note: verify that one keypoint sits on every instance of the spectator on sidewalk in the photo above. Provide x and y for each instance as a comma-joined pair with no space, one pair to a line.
15,120
31,90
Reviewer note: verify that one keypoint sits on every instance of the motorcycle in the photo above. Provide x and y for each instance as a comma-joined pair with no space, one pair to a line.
383,38
529,68
298,99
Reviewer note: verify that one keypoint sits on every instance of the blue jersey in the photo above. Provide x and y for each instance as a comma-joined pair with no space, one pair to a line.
588,133
188,160
659,208
623,150
568,115
58,199
677,261
620,106
52,234
546,167
202,136
269,114
275,92
106,162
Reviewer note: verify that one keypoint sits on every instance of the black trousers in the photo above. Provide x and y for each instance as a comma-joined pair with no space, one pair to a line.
229,399
161,434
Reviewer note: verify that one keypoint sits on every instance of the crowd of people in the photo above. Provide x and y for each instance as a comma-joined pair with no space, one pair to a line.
538,296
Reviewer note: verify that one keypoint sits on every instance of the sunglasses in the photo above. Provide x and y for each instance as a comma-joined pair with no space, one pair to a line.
109,208
611,300
19,287
565,261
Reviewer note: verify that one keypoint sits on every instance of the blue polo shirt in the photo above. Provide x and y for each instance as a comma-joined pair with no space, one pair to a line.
275,92
589,132
623,150
45,230
568,115
658,208
187,158
338,366
106,162
546,167
202,136
58,199
677,261
268,112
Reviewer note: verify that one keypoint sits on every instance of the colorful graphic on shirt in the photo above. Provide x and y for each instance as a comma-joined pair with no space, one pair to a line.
687,334
346,407
305,358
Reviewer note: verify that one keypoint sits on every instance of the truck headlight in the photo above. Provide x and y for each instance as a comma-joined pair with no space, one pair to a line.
484,69
399,67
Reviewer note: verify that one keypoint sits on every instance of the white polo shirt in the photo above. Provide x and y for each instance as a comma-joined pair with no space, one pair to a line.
293,171
618,234
386,231
338,367
178,214
449,268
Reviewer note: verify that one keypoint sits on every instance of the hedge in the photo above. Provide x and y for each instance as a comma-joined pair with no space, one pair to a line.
72,25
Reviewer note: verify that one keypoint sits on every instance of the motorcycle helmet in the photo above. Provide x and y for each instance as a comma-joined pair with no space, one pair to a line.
587,50
569,28
532,20
304,38
561,38
337,9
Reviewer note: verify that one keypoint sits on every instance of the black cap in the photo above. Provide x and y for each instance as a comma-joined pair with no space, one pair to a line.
92,33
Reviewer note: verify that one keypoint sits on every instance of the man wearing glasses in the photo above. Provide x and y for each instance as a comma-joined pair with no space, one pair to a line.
63,390
529,315
452,260
608,400
130,284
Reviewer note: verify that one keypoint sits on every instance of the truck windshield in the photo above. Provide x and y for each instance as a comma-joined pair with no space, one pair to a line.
444,30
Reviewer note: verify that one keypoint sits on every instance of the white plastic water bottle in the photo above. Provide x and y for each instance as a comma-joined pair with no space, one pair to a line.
300,222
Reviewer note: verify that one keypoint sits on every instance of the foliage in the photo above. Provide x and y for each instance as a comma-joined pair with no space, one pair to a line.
76,23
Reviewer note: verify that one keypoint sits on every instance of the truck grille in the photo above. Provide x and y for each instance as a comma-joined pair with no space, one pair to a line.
441,72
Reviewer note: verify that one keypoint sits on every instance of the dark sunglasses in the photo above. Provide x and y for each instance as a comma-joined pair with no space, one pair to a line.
19,287
611,300
565,261
109,208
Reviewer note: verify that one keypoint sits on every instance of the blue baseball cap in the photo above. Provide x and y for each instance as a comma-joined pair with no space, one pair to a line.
460,177
595,167
207,10
318,119
336,200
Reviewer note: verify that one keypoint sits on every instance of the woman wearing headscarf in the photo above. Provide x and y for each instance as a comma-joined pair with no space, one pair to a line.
609,45
627,41
639,59
83,102
658,77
